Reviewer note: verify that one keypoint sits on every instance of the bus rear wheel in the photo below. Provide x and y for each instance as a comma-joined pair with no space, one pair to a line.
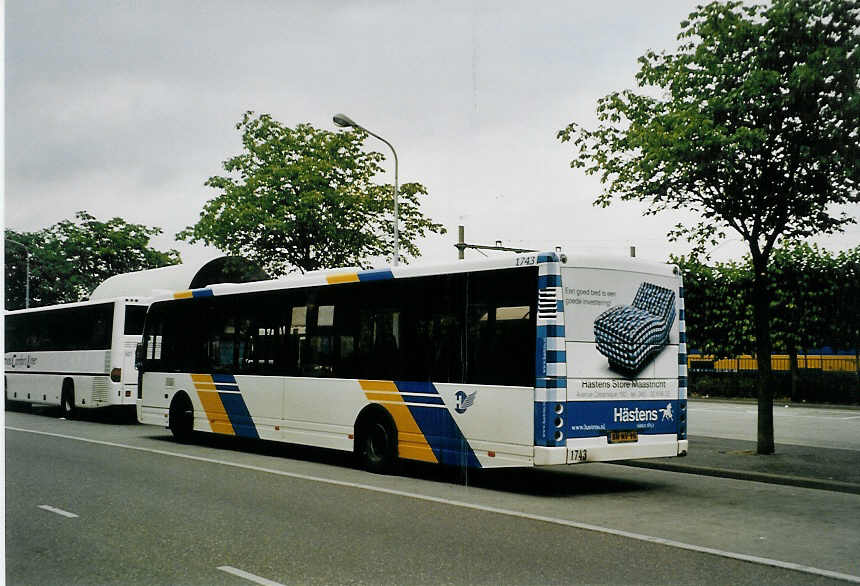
181,418
376,445
67,400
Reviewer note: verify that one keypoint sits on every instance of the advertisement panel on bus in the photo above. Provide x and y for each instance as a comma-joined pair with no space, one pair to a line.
622,340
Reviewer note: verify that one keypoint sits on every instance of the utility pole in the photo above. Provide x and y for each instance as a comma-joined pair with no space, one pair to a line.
462,245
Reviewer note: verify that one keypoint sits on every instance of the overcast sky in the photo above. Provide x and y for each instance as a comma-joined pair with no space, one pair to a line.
125,108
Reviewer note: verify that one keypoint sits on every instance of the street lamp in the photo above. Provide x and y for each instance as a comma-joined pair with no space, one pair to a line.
345,121
27,285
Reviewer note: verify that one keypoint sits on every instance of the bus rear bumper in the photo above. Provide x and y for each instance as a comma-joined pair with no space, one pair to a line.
598,449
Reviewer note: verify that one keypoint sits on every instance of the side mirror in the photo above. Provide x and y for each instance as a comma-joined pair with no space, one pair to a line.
138,355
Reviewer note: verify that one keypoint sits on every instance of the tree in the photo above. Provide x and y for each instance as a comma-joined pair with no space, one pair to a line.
71,258
719,294
846,309
304,199
754,127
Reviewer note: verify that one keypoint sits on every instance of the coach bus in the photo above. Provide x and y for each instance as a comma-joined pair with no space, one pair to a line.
527,360
75,355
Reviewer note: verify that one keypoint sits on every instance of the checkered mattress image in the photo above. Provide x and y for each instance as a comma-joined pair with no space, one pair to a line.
630,335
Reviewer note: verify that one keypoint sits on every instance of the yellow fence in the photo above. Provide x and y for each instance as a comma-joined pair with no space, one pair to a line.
828,362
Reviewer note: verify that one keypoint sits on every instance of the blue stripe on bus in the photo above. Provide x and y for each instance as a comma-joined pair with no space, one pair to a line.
540,357
551,257
442,433
416,387
240,417
375,275
550,331
234,388
559,306
444,436
202,293
551,383
421,392
224,378
426,399
546,281
556,356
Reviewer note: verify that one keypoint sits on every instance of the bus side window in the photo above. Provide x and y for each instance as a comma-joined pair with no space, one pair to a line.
222,346
153,347
260,332
379,343
501,328
296,334
318,354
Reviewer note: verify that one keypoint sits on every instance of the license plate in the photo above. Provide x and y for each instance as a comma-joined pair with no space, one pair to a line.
620,437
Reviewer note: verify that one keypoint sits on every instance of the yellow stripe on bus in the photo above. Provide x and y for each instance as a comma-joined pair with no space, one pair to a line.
411,442
219,421
342,278
182,295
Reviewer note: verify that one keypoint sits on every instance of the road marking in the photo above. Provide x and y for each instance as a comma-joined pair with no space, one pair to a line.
472,506
248,576
58,511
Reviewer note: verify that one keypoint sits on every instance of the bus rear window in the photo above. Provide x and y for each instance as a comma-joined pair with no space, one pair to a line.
134,315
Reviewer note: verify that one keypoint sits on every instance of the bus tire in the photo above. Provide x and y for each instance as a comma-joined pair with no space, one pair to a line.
181,417
67,399
376,442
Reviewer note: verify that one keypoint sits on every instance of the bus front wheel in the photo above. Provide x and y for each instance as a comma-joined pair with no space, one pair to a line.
67,399
376,445
181,418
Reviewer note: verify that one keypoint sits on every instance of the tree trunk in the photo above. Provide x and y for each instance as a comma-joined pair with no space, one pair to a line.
761,316
792,365
857,364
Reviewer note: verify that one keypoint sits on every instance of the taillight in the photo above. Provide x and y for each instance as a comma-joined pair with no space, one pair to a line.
116,374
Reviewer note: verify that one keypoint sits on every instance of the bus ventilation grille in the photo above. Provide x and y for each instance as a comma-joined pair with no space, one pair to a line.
547,305
101,389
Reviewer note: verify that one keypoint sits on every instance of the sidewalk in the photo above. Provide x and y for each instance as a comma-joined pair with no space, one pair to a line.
808,467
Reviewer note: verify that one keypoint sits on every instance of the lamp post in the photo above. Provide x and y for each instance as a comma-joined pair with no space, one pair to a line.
27,285
345,121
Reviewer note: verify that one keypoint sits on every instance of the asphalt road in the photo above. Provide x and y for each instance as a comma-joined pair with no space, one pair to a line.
150,511
804,426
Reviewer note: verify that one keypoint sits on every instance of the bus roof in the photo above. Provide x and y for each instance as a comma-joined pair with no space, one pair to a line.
137,300
348,275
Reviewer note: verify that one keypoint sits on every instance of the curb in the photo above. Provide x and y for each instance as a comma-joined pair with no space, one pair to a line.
799,481
752,401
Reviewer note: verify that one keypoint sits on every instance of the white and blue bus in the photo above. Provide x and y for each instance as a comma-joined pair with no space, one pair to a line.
75,355
536,359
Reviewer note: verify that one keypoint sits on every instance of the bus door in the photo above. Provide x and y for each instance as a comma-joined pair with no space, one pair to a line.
131,336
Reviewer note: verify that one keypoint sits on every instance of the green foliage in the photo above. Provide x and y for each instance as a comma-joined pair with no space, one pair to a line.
816,301
755,128
71,258
752,124
303,199
720,322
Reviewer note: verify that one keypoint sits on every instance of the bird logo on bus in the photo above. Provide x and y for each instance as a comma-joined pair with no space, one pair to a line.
464,401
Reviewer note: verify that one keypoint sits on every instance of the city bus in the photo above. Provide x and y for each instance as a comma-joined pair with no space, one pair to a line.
528,360
74,355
